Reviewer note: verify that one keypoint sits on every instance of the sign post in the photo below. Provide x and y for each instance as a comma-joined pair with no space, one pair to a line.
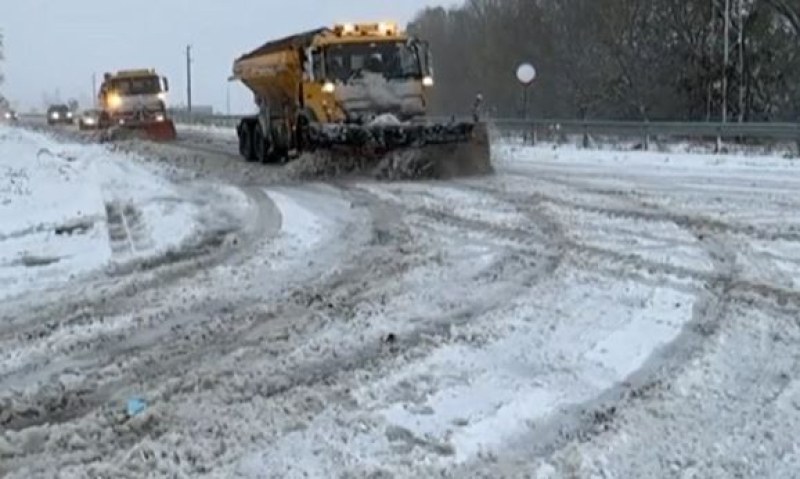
526,74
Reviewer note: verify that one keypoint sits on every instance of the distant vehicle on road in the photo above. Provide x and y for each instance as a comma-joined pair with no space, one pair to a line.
60,114
135,100
89,120
10,116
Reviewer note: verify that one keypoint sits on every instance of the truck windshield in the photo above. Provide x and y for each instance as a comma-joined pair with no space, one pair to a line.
137,86
394,60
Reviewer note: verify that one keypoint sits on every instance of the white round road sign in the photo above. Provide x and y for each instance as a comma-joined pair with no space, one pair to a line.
526,73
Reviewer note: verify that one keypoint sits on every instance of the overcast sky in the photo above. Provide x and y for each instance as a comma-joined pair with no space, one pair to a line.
54,46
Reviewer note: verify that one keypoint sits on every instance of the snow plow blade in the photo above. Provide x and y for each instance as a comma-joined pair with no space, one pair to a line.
407,151
160,131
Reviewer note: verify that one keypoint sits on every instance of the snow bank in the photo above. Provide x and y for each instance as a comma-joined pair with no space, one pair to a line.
212,131
67,210
679,157
657,144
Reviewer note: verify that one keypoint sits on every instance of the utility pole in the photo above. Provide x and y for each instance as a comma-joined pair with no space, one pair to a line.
94,89
228,97
189,78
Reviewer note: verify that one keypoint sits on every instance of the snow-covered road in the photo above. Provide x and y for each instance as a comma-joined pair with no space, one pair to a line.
578,314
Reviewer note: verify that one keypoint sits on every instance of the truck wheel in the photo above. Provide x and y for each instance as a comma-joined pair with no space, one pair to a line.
261,146
280,142
246,144
302,139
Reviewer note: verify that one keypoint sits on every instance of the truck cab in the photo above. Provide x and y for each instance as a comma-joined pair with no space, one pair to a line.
133,96
369,70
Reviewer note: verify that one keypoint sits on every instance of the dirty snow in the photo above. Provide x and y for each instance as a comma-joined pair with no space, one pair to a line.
68,210
578,314
211,132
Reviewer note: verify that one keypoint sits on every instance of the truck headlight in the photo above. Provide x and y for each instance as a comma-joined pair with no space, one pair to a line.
114,100
69,114
427,81
328,87
162,96
160,117
54,115
7,115
386,28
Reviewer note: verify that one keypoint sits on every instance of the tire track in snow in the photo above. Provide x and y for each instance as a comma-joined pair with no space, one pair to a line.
246,363
708,234
184,355
209,248
721,286
93,312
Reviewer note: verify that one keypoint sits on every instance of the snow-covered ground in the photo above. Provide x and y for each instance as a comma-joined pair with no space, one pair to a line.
578,314
70,210
611,143
208,131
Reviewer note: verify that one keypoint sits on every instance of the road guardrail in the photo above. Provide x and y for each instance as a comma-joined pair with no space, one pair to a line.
534,130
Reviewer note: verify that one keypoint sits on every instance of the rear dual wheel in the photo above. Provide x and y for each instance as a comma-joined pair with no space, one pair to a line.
281,140
247,144
255,145
262,145
267,148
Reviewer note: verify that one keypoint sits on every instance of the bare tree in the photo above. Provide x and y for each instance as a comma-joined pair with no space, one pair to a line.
645,59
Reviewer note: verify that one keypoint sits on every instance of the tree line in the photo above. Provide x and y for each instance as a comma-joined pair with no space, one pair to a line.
622,59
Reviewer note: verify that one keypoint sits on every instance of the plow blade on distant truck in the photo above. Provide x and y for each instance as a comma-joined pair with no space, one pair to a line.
356,95
157,131
160,131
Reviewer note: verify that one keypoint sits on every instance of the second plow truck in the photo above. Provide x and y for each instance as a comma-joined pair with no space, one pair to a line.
134,101
358,94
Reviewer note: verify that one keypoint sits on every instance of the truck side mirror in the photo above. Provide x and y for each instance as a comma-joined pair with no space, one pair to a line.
308,63
166,84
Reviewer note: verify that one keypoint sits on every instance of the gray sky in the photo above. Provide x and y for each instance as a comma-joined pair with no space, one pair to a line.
56,45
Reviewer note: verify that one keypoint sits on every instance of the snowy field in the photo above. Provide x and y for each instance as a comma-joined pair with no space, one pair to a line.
71,211
577,314
68,210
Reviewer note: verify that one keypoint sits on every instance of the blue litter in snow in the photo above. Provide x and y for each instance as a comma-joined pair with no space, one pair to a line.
136,406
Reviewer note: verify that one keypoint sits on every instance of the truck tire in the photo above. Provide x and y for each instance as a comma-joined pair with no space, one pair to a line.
302,140
246,144
261,146
280,143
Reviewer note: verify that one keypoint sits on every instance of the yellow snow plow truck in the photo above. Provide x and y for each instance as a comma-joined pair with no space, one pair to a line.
359,94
